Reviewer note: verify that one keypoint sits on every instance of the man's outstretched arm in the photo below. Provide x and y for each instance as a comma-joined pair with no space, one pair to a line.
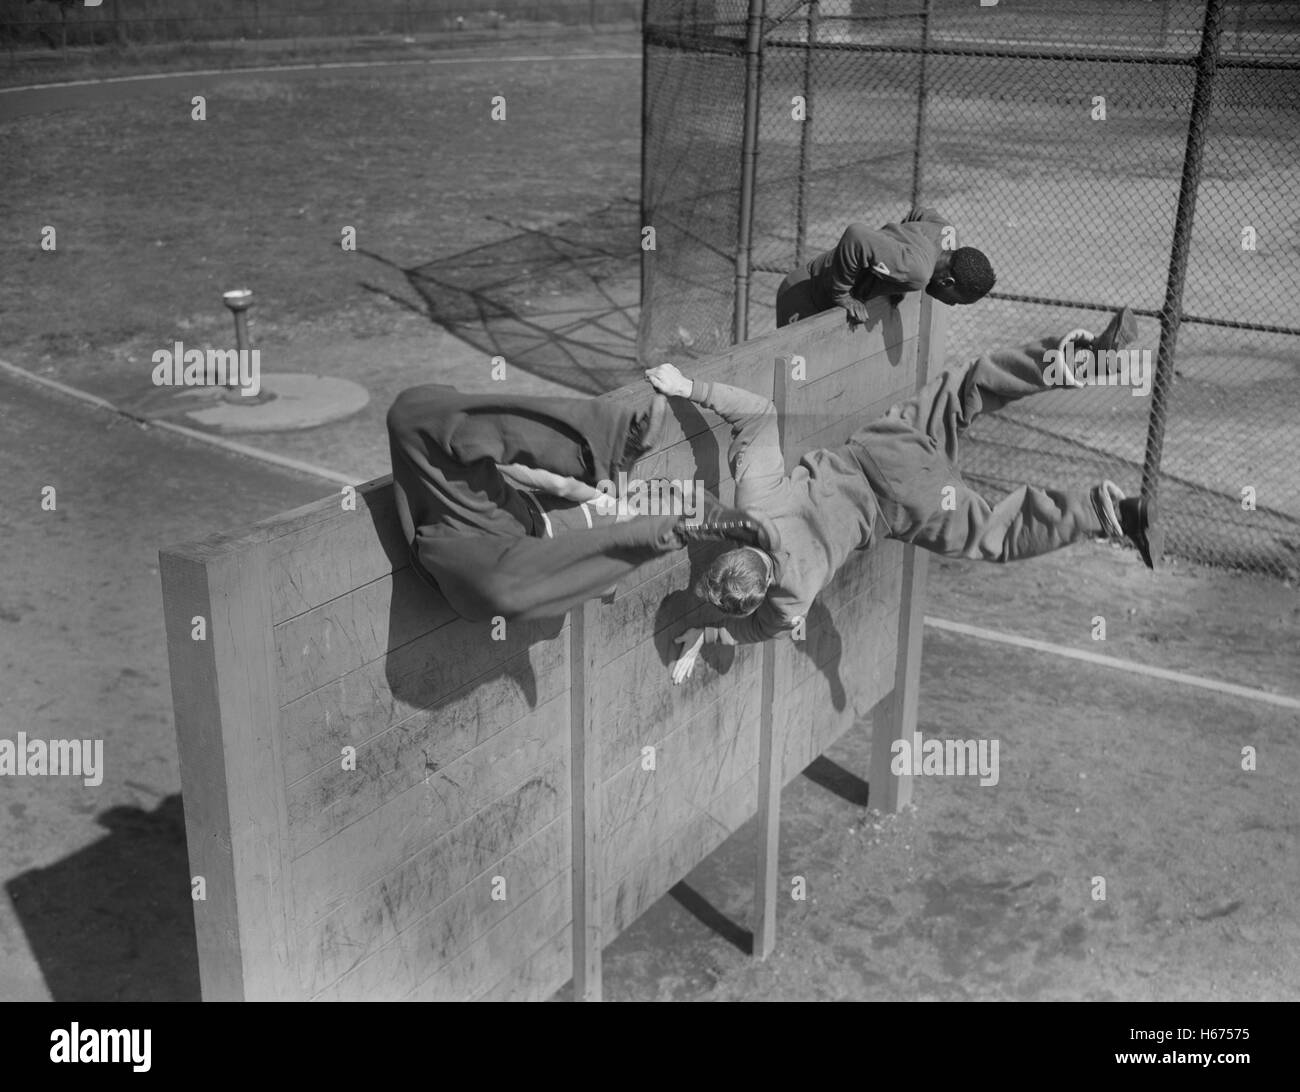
764,624
754,455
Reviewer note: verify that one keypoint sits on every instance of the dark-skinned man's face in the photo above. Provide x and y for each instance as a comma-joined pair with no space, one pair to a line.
944,290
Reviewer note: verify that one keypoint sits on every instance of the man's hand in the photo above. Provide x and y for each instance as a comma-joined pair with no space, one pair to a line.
691,641
857,311
666,379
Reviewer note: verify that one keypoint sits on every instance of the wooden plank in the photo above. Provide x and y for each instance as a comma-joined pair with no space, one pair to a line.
846,397
224,696
323,550
681,792
640,613
459,666
584,771
368,849
537,977
767,843
703,456
337,795
454,925
195,688
769,817
355,628
839,431
694,745
825,640
818,337
805,737
506,945
374,915
639,703
629,895
890,792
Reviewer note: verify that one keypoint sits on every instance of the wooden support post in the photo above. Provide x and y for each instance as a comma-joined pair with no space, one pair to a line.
895,718
771,763
223,673
769,815
584,780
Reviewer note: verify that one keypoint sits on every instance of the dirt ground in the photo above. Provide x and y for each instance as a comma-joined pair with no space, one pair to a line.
973,893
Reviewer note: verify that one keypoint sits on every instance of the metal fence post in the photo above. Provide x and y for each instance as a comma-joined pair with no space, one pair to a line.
805,136
1171,313
918,147
748,168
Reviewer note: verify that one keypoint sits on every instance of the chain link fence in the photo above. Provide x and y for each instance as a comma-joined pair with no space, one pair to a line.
1103,153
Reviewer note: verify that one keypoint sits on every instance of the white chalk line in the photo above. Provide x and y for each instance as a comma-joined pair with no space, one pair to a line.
282,461
1112,661
322,66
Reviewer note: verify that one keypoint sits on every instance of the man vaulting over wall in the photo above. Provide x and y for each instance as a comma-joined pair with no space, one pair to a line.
897,477
498,501
920,252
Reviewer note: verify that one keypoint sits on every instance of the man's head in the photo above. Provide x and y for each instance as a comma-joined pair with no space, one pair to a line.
737,581
961,276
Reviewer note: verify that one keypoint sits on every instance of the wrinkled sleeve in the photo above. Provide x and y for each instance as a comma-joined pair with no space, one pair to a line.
897,266
755,457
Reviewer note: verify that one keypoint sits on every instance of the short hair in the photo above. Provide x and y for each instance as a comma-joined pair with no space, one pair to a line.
735,582
971,273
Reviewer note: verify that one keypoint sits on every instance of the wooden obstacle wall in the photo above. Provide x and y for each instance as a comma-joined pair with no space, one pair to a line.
497,824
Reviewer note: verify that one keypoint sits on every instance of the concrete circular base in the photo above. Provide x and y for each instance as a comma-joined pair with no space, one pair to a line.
299,401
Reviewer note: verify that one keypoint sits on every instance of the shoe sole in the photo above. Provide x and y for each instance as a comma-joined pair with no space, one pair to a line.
769,538
1150,538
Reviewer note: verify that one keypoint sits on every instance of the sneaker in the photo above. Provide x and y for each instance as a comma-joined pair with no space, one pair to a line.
1120,332
1141,523
1133,518
731,525
643,433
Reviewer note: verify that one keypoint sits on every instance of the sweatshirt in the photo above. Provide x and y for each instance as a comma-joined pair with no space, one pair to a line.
868,263
823,510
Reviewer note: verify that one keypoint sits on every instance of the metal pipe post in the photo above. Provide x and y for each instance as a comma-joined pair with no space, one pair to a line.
805,136
921,92
748,168
1171,313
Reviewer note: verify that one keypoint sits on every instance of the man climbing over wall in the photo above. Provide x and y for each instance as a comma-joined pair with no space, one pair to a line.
897,478
918,253
497,499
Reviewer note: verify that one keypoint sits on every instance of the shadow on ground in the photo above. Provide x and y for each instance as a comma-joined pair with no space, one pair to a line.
558,302
113,921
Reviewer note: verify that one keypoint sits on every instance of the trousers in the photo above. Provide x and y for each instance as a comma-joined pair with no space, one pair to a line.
911,460
487,546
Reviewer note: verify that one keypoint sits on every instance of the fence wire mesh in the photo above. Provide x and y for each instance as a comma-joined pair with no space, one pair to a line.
1056,138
